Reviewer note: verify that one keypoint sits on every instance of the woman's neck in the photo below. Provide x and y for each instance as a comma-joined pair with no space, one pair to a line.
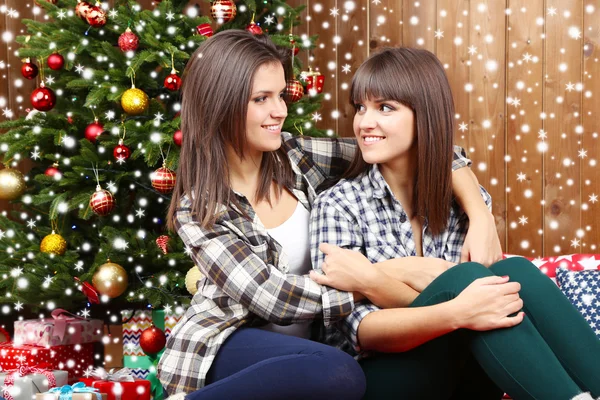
244,174
400,177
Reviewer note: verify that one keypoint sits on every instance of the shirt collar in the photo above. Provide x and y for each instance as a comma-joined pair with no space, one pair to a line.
378,182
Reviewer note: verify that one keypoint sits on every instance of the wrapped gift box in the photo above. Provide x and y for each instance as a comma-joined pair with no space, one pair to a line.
138,389
73,358
26,382
74,396
143,366
62,328
76,392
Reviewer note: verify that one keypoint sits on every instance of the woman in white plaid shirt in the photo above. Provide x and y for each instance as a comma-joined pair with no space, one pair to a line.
458,332
241,205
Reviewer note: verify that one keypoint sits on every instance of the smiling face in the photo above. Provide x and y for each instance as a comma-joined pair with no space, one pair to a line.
385,130
266,109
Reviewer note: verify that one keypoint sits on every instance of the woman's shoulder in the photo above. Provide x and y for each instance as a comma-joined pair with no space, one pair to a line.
344,191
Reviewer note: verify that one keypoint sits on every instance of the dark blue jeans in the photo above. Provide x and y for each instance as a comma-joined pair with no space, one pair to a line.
258,364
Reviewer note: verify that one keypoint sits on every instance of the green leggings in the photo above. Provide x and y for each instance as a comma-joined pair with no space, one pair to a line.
552,355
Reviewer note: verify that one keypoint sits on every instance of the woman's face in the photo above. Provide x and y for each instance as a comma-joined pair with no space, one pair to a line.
384,130
266,109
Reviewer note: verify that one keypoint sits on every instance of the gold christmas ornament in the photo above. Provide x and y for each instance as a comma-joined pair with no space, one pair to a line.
110,279
53,244
134,101
12,184
192,276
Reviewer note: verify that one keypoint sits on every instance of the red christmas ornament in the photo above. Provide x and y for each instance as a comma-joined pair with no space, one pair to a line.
82,8
294,90
314,81
128,41
205,30
56,61
93,130
178,137
223,10
162,242
43,98
96,17
102,201
152,340
29,69
254,29
163,179
53,171
173,82
69,119
89,291
121,152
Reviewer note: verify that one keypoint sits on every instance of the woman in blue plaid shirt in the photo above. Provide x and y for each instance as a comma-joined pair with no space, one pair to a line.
241,206
459,331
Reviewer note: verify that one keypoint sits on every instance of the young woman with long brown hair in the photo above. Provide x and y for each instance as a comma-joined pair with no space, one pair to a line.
241,205
465,331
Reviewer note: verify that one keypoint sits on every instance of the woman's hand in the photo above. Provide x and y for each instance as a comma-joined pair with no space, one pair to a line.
487,304
482,244
346,270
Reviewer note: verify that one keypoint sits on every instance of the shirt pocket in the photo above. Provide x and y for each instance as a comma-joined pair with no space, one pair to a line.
384,252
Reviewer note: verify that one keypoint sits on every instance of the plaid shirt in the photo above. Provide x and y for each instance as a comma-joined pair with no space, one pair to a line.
363,215
245,280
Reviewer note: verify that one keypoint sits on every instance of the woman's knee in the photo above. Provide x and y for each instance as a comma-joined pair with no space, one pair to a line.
343,377
515,268
467,272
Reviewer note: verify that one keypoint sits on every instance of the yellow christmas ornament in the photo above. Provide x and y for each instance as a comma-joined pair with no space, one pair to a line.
12,184
110,279
193,276
53,244
134,101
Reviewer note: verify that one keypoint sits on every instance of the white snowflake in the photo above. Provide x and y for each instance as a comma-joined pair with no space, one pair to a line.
31,223
334,12
523,220
316,117
7,113
521,177
35,154
593,199
552,11
439,34
472,50
170,16
346,68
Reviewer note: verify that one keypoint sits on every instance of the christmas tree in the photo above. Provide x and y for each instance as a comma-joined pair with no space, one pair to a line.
104,138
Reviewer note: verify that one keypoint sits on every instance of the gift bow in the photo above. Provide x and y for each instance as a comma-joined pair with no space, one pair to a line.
24,370
66,392
122,375
61,318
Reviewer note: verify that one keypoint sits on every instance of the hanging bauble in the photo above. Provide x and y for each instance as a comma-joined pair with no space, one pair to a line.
223,10
134,101
43,98
53,172
294,90
29,70
56,61
178,137
110,279
295,48
254,29
152,340
172,81
128,41
12,184
121,152
96,17
89,291
314,81
102,201
93,130
163,243
82,8
53,244
191,278
163,179
205,30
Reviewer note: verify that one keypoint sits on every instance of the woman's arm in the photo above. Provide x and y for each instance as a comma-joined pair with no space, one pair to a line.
484,305
481,244
230,264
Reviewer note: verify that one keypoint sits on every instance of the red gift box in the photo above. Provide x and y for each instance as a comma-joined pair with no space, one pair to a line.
73,358
139,389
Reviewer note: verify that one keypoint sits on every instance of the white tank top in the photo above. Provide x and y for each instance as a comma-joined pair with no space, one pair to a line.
292,235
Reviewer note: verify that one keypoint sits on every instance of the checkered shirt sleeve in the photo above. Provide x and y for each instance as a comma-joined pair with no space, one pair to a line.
330,223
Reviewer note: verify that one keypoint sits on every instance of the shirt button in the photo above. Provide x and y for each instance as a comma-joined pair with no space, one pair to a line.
402,218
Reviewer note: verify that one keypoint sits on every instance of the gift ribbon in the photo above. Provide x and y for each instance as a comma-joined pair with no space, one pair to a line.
150,362
66,392
22,371
122,375
61,319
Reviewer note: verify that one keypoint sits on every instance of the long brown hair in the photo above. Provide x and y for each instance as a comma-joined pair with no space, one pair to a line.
216,89
416,79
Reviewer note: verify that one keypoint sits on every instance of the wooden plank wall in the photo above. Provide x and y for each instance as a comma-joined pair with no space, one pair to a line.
526,82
